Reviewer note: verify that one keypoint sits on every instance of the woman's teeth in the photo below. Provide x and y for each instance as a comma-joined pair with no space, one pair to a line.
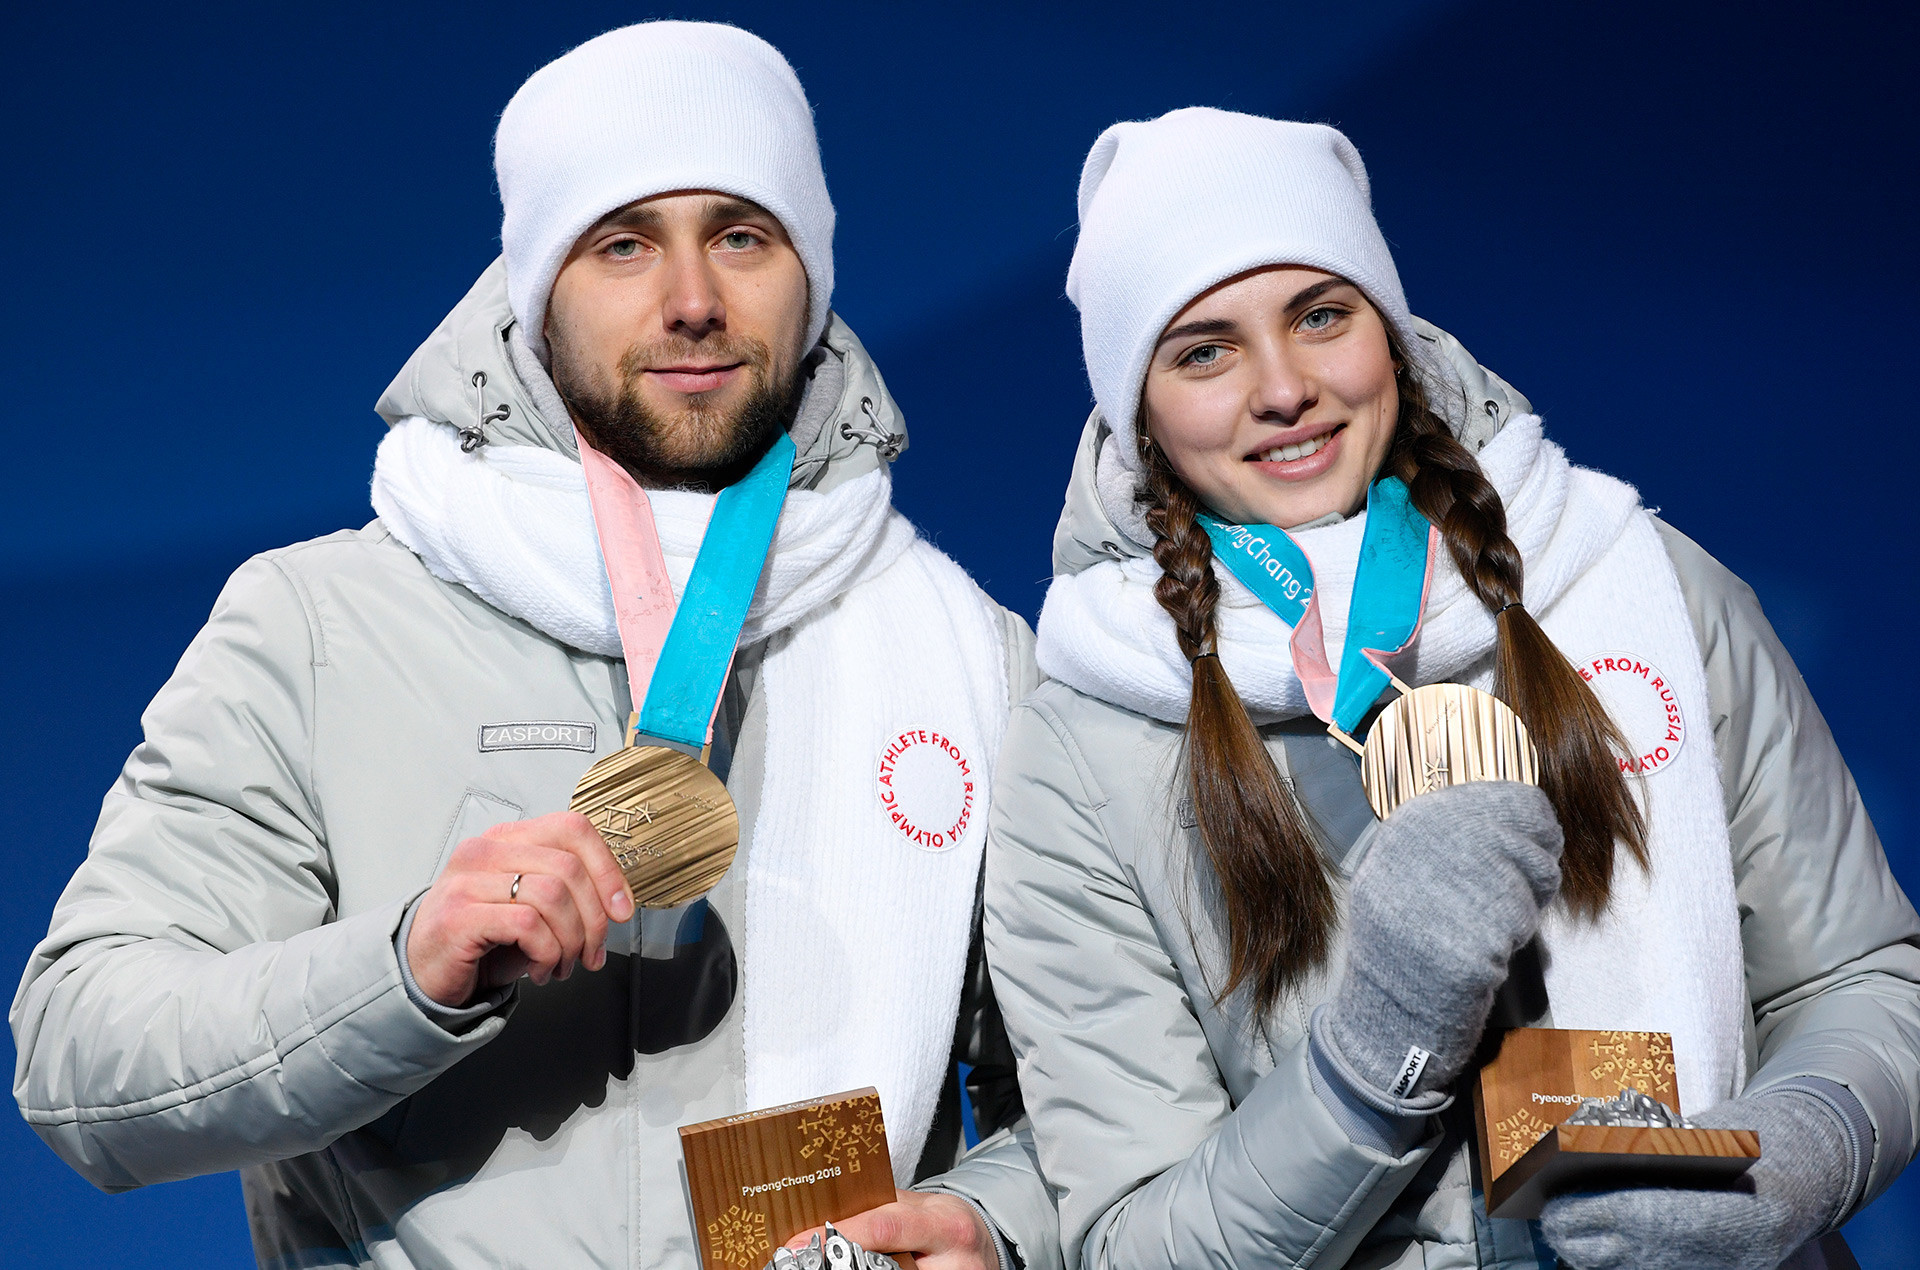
1288,453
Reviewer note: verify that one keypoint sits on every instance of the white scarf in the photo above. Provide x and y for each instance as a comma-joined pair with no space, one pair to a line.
1666,956
878,634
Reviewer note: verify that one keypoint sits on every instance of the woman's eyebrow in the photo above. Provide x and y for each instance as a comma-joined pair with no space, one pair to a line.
1204,326
1309,294
1221,326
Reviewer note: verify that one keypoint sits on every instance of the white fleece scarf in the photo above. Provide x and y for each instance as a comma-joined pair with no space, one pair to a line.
1666,956
879,634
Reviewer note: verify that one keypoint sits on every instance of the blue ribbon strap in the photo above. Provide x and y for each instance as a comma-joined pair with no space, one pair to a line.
1390,585
1389,589
706,624
1268,561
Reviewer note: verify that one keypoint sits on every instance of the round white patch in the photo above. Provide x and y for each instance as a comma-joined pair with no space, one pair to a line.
926,787
1643,704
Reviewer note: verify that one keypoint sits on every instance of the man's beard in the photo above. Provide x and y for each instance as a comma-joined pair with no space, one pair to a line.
700,447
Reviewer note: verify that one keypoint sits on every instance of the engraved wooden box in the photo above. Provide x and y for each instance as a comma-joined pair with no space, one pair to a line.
760,1178
1538,1079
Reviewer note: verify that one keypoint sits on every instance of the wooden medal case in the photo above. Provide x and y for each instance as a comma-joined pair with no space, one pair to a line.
761,1178
1526,1155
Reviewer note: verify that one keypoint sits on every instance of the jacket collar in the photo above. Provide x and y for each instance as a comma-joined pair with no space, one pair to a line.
1476,402
474,374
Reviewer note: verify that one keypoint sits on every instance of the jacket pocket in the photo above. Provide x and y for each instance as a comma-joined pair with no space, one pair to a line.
477,813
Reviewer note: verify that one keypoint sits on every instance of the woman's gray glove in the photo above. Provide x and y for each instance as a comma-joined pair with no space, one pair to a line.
1798,1188
1451,888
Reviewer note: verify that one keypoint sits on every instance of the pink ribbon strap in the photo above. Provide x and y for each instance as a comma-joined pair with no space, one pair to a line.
630,543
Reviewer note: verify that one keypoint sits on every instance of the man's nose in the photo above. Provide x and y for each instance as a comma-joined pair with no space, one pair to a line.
692,305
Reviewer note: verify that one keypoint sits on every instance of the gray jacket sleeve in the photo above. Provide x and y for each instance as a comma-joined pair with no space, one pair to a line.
194,1006
1001,1175
1148,1161
1832,943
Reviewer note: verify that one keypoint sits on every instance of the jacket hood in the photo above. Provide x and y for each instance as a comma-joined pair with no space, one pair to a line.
476,374
1476,402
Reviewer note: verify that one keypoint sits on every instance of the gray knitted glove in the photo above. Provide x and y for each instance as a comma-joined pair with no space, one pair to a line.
1452,887
1803,1182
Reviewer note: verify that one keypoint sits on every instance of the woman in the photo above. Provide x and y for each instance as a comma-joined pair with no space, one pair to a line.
1244,1009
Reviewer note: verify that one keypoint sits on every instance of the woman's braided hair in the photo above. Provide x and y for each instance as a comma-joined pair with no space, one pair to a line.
1277,895
1278,899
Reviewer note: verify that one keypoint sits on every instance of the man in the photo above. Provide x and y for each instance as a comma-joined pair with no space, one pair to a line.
338,929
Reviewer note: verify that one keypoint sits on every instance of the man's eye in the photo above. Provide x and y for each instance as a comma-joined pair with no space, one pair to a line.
625,249
739,240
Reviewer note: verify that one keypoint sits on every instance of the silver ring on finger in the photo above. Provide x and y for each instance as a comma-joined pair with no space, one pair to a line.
513,892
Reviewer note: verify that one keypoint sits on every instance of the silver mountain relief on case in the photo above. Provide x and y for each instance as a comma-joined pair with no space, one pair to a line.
1629,1109
837,1253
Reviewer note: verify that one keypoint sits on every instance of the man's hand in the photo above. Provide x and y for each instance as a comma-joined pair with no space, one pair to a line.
472,933
943,1232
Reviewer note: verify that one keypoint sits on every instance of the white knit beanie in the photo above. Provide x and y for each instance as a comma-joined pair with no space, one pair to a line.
1172,206
645,110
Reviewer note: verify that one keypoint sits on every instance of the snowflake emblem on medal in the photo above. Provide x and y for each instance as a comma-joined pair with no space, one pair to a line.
927,787
1644,704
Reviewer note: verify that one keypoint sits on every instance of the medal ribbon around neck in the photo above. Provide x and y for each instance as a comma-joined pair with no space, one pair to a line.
668,820
1390,586
1428,738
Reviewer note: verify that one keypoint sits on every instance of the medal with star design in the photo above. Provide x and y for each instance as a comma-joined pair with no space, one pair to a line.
667,818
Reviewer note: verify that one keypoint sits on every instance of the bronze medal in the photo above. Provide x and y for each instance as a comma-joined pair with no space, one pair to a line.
669,821
1441,735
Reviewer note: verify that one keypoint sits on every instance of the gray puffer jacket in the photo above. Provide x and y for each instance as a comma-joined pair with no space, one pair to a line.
219,987
1176,1132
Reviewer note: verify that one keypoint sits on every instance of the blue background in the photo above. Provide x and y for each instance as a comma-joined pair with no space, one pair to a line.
1683,229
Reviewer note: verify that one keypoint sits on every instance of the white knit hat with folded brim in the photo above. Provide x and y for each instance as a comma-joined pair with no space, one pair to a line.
651,109
1176,205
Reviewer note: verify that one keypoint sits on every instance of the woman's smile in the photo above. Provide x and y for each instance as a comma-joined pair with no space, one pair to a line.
1299,460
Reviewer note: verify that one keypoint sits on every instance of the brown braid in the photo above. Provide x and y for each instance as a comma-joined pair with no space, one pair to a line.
1578,743
1279,902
